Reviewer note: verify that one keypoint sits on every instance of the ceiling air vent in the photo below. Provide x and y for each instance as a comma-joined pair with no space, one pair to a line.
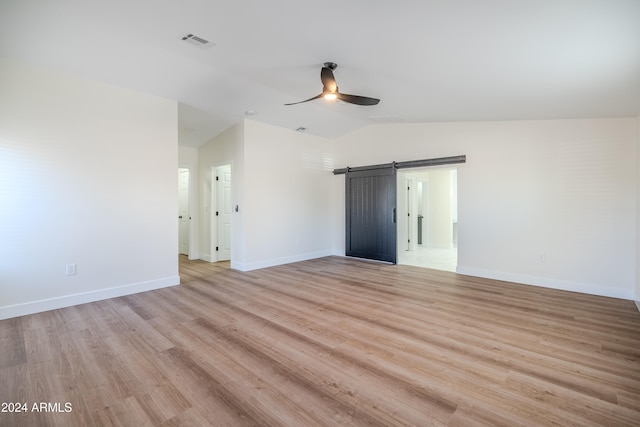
194,40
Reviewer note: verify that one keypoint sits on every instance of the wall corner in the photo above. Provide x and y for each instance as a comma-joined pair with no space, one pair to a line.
637,178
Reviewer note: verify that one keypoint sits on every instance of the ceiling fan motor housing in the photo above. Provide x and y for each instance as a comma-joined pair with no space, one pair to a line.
330,89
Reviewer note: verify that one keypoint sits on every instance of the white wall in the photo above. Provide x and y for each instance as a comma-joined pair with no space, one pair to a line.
280,180
565,188
287,196
87,176
226,149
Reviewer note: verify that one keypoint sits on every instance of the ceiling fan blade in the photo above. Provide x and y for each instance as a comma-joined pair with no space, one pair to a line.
358,100
328,80
306,100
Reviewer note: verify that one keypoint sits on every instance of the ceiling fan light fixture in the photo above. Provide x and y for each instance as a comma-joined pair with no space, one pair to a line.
330,89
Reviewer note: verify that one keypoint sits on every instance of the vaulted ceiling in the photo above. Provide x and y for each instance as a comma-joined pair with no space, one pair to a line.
427,60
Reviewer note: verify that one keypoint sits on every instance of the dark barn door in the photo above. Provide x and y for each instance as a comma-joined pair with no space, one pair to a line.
371,211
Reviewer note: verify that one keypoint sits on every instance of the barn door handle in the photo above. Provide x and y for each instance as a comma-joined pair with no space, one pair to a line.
393,215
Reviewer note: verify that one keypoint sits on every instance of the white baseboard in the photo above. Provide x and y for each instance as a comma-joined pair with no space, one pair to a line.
638,304
39,306
546,282
206,257
248,266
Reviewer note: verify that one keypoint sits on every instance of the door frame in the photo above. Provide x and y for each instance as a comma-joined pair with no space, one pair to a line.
193,252
427,201
214,234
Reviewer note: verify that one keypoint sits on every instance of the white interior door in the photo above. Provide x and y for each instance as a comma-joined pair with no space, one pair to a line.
223,209
183,211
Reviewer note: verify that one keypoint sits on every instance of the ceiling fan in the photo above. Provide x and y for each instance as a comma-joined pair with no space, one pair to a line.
330,89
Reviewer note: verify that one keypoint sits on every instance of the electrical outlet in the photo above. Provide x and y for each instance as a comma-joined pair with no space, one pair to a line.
71,269
542,257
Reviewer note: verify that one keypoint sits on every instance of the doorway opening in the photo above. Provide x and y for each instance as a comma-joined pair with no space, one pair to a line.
184,216
382,209
428,205
221,213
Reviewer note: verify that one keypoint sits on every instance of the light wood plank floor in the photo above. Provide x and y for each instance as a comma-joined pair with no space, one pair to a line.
327,342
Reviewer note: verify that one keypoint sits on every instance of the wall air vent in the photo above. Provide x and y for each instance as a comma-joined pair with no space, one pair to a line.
194,40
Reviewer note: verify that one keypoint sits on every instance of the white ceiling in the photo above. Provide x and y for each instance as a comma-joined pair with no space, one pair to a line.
427,60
